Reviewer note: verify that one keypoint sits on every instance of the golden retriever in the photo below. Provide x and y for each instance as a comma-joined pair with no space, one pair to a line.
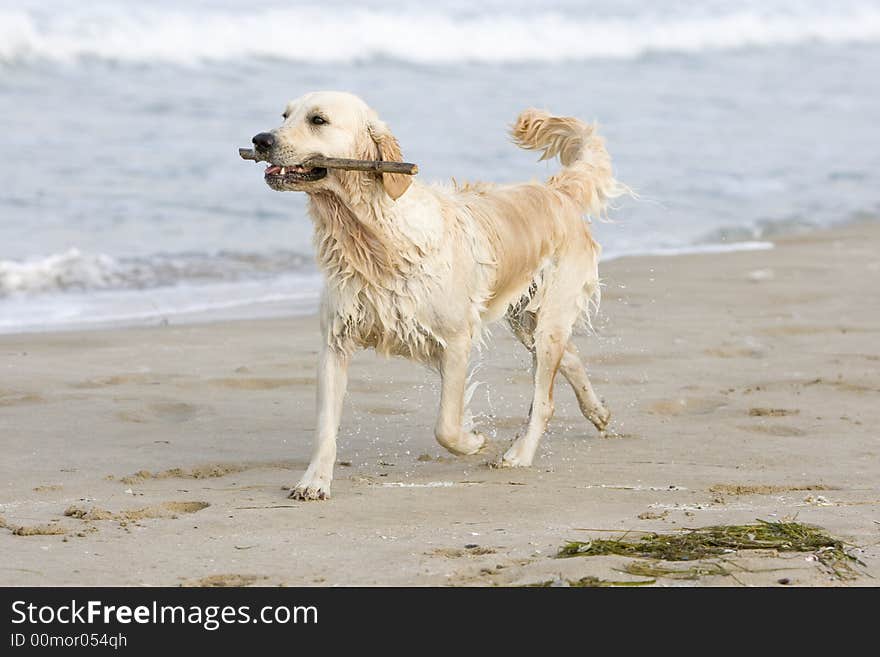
419,271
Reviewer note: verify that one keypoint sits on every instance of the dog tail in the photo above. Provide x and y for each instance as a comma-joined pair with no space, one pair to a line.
586,174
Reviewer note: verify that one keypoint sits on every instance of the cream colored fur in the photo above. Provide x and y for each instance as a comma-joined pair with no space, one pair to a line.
419,271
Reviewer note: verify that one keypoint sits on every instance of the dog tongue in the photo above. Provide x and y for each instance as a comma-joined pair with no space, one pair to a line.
273,169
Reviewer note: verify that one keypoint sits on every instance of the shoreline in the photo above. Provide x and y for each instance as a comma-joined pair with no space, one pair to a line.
742,386
289,307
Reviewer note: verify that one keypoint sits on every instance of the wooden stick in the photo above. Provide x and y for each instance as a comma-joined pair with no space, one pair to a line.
379,166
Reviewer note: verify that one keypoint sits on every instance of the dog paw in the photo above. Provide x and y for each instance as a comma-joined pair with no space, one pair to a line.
311,488
512,458
467,443
309,493
600,417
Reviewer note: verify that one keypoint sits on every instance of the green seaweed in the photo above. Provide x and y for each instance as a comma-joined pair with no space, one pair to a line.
589,582
715,540
655,569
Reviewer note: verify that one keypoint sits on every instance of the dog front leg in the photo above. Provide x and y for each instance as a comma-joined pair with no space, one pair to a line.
453,371
332,380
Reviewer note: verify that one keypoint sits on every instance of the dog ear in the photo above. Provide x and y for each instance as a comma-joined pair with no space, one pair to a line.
395,184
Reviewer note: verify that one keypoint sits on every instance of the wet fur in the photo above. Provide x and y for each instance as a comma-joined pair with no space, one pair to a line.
419,271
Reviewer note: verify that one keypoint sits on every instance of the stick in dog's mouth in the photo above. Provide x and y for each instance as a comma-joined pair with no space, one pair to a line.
316,166
296,173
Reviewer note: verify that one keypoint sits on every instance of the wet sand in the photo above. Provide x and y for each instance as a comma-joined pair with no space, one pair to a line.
742,385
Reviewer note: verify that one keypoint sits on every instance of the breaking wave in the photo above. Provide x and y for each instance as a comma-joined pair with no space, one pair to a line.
152,34
74,271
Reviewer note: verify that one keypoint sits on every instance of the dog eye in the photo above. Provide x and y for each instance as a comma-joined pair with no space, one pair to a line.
318,120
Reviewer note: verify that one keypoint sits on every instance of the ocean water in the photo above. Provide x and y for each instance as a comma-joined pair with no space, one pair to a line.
122,198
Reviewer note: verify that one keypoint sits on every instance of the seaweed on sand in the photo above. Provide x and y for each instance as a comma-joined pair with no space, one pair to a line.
656,569
716,540
588,582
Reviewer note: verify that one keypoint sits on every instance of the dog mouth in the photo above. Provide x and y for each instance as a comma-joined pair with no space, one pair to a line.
278,174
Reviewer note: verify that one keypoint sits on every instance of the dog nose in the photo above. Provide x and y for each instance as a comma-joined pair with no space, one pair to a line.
264,141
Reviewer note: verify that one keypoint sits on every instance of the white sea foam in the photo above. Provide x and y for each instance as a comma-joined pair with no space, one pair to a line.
75,271
156,34
292,294
59,272
73,289
692,249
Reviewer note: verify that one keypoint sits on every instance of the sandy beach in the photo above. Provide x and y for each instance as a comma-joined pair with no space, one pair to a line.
743,386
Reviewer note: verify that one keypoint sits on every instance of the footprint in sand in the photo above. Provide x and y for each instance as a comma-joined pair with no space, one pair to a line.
33,530
200,472
685,406
762,489
47,488
120,379
163,510
805,330
16,397
161,411
264,383
773,430
229,579
848,386
457,553
208,471
175,411
772,412
734,352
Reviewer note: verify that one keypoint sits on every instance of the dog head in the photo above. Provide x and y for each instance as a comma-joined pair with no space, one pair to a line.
330,124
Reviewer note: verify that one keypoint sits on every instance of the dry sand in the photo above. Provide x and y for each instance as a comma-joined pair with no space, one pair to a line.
743,386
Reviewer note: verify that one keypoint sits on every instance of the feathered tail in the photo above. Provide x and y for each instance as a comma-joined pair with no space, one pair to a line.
586,174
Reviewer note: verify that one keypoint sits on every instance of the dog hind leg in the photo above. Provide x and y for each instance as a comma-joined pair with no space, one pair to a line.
547,331
550,344
572,367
